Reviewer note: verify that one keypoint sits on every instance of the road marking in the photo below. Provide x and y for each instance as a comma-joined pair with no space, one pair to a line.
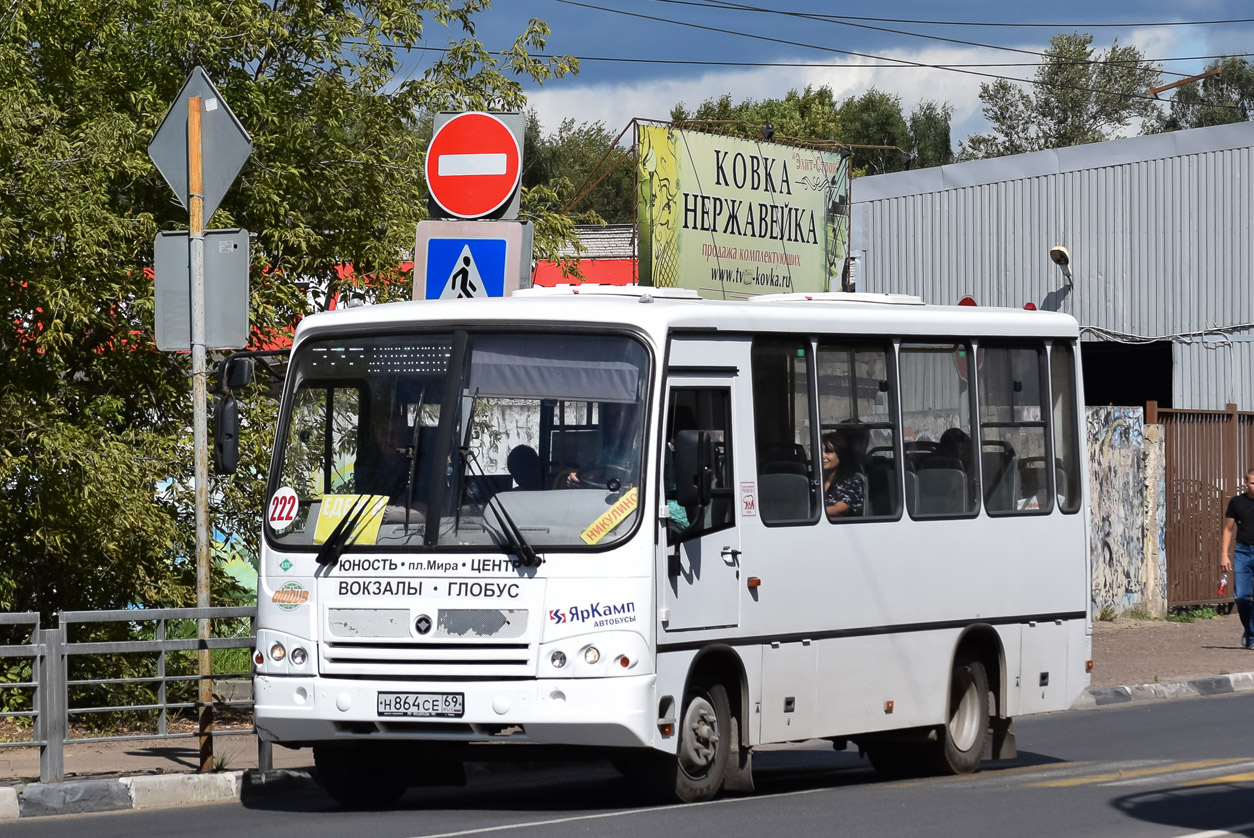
1129,773
602,815
1240,829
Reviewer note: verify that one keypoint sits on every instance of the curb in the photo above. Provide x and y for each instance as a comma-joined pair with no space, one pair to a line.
91,796
1212,685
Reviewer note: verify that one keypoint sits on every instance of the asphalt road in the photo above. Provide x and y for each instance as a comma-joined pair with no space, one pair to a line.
1171,768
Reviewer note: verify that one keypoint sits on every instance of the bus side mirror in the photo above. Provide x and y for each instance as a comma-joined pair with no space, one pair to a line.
239,373
694,468
226,435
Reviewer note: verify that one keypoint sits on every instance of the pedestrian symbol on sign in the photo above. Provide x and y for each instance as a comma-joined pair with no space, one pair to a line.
464,282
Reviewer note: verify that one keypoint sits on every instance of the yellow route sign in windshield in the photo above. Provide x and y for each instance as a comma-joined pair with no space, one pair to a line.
611,518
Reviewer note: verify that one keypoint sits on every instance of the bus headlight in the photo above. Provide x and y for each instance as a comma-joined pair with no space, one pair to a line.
558,659
299,656
591,655
277,652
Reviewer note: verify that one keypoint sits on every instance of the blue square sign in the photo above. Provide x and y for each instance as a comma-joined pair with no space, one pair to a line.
466,268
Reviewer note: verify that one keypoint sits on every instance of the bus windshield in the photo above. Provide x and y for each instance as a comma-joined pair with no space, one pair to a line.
462,440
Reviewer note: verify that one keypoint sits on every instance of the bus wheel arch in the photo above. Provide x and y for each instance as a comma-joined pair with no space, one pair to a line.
976,695
716,683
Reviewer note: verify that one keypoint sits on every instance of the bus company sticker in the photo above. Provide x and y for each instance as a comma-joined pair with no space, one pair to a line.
748,501
291,596
611,518
282,509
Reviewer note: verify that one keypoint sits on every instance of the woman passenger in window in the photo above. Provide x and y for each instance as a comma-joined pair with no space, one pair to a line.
843,487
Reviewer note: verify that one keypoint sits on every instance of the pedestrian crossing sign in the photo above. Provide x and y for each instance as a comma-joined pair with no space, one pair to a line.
459,269
460,260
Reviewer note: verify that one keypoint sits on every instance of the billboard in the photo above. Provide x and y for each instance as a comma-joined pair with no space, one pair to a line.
734,218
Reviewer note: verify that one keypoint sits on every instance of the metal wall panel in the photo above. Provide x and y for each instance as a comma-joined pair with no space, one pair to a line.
1158,228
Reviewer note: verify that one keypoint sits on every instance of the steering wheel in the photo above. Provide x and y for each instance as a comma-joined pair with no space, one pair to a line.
603,476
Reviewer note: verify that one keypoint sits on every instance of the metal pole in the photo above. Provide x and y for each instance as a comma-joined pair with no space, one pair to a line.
51,704
200,419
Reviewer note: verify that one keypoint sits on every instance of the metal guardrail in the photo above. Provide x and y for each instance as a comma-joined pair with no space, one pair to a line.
50,651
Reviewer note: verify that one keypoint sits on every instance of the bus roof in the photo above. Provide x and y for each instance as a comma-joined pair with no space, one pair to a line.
659,311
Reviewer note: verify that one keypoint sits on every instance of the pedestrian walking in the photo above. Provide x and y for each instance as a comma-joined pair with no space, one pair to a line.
1239,528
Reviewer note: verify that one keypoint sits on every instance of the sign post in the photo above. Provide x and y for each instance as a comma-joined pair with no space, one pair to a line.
179,152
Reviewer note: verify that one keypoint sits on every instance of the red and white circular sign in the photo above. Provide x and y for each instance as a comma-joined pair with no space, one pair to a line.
282,511
473,165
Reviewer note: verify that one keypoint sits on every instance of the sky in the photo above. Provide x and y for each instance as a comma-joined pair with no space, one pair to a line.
850,55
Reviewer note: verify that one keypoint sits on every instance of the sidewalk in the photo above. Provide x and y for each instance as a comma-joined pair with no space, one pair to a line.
1134,660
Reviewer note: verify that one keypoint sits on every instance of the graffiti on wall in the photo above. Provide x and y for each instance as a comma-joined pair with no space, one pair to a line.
1126,534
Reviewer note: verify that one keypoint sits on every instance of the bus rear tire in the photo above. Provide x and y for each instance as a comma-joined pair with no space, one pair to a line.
361,775
962,739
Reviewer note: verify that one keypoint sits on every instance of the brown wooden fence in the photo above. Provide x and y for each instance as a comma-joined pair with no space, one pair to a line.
1206,453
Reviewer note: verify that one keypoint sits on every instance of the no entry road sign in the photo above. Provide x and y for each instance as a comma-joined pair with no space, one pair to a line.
474,165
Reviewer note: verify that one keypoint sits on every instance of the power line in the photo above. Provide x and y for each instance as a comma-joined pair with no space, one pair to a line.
1127,25
900,61
841,20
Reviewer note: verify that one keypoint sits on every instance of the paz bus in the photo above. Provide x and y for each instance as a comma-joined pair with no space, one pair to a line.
641,525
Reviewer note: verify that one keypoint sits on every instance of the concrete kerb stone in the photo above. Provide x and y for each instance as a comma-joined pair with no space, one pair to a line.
177,789
1213,685
9,810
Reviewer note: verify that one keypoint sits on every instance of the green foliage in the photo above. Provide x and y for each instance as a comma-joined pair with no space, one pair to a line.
1139,612
1079,97
582,165
1215,100
95,442
1108,613
1192,613
806,116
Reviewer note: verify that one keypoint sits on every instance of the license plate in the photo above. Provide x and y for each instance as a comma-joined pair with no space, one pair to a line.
423,705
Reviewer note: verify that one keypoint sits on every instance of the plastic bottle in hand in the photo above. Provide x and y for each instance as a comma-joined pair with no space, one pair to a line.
1223,583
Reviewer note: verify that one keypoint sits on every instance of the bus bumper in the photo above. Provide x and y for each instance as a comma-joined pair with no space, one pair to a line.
616,712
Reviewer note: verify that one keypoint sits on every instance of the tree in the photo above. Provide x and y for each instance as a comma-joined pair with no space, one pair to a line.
808,115
929,134
1079,97
875,119
1215,100
95,456
585,164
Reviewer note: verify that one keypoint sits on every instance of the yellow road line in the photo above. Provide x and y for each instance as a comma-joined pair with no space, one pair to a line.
1231,778
1137,772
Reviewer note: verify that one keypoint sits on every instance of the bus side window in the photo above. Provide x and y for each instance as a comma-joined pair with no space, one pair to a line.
787,483
942,480
857,420
1066,473
1013,429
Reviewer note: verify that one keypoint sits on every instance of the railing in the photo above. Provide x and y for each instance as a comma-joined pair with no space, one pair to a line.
50,688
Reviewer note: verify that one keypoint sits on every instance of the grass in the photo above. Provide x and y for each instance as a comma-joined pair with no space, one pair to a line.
1108,614
1191,614
1140,612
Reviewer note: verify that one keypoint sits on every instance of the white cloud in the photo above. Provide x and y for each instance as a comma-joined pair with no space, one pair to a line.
617,104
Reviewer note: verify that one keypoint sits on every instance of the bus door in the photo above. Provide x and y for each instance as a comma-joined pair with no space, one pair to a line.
701,547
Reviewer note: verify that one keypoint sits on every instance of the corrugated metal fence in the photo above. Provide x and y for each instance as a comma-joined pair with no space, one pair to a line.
1206,454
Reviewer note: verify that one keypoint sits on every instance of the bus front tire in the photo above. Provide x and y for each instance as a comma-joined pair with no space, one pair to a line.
704,743
361,775
961,740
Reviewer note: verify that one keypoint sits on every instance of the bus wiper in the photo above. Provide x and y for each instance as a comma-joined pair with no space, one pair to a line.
415,454
526,554
342,535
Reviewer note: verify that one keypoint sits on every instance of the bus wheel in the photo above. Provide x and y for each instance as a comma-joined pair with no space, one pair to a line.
965,732
361,775
704,743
